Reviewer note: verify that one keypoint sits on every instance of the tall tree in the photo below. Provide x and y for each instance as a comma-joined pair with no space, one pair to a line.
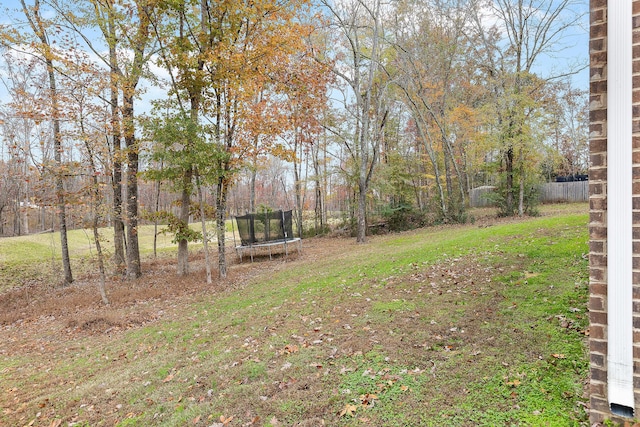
430,46
126,28
524,33
568,129
246,48
44,49
360,29
184,62
306,101
138,33
89,122
26,138
106,16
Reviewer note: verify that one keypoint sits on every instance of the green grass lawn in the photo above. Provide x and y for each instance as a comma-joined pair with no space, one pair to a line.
447,326
37,257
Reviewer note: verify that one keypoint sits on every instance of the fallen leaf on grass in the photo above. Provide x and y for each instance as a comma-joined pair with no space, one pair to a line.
224,420
168,378
286,366
274,421
290,349
559,356
368,399
348,410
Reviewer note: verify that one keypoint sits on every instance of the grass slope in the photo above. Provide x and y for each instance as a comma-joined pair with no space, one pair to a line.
456,326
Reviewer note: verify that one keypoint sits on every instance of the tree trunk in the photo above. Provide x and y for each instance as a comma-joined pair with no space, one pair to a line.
297,189
183,243
133,252
221,205
447,174
96,205
436,169
521,197
319,197
252,189
509,202
205,238
38,27
118,223
26,217
362,213
155,219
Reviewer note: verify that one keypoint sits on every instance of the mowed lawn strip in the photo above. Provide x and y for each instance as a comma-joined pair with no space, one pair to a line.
448,326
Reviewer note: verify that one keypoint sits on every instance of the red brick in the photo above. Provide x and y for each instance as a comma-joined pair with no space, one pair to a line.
596,274
597,232
598,346
598,317
595,188
599,174
594,245
597,159
599,115
596,303
597,388
597,360
598,203
598,288
598,86
598,57
598,374
596,332
597,145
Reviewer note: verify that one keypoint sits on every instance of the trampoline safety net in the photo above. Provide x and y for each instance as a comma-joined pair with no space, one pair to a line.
256,228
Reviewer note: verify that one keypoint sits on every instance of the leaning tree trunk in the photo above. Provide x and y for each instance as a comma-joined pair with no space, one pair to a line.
96,204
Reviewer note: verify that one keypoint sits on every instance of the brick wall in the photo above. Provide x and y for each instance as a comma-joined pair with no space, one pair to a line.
598,205
636,203
598,213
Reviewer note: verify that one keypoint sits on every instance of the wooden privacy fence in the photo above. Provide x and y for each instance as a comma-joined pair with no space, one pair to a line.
577,191
551,192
